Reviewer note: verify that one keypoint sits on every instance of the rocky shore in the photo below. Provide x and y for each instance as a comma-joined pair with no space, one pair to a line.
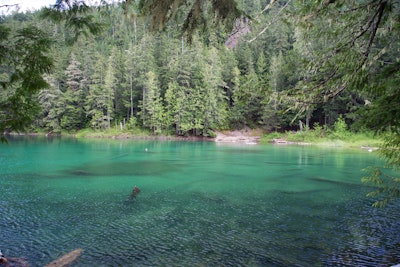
246,136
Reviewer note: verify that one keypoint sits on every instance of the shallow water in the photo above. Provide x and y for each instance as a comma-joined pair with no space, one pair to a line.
201,204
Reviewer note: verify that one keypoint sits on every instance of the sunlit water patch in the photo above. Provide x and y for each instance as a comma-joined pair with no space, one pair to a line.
201,204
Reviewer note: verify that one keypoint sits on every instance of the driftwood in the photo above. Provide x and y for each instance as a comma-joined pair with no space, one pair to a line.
67,259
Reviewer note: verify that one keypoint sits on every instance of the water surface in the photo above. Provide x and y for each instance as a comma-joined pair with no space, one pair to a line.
201,204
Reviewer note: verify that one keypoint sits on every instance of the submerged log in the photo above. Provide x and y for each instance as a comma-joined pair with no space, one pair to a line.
14,262
67,259
135,192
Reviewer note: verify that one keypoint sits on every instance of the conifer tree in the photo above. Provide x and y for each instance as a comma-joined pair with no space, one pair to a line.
173,102
270,101
152,110
110,86
214,101
98,100
74,97
51,104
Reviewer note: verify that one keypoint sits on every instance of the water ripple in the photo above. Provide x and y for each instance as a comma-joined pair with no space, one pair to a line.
288,219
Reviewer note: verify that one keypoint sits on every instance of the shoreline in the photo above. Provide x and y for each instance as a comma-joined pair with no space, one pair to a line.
246,136
238,136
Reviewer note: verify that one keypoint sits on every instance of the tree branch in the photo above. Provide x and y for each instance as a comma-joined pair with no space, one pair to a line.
2,6
272,22
381,8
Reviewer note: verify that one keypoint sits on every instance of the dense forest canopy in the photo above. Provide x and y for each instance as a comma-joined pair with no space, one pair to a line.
190,67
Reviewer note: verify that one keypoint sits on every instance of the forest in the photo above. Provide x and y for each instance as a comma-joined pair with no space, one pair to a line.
274,65
132,77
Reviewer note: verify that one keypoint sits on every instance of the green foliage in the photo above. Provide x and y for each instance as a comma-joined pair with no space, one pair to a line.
388,186
152,109
321,136
76,16
196,14
247,99
386,181
267,138
390,150
219,88
340,128
318,130
73,114
300,136
23,62
97,101
131,124
52,106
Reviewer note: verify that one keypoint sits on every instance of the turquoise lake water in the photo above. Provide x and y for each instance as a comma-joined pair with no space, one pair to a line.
201,204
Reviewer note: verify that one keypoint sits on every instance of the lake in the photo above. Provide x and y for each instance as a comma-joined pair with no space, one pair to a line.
201,204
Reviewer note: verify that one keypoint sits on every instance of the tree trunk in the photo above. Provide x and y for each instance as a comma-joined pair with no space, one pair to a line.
108,119
131,84
134,28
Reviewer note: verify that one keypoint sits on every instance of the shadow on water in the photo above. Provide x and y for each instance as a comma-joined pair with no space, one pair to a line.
138,168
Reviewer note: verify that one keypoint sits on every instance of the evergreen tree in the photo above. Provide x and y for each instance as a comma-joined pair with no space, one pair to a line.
98,100
174,103
152,110
129,94
74,97
271,107
180,100
110,86
138,62
247,99
51,103
214,100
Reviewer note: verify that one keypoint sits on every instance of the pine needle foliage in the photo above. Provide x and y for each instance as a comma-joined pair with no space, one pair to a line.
197,14
76,15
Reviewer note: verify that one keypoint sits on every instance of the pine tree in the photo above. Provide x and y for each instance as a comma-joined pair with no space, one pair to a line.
152,110
197,14
98,99
179,98
110,86
247,97
129,94
271,106
74,97
173,102
51,103
214,99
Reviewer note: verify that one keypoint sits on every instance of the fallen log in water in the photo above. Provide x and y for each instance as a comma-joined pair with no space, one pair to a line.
67,259
14,262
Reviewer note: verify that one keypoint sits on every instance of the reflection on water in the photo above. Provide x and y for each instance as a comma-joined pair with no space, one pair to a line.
201,204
